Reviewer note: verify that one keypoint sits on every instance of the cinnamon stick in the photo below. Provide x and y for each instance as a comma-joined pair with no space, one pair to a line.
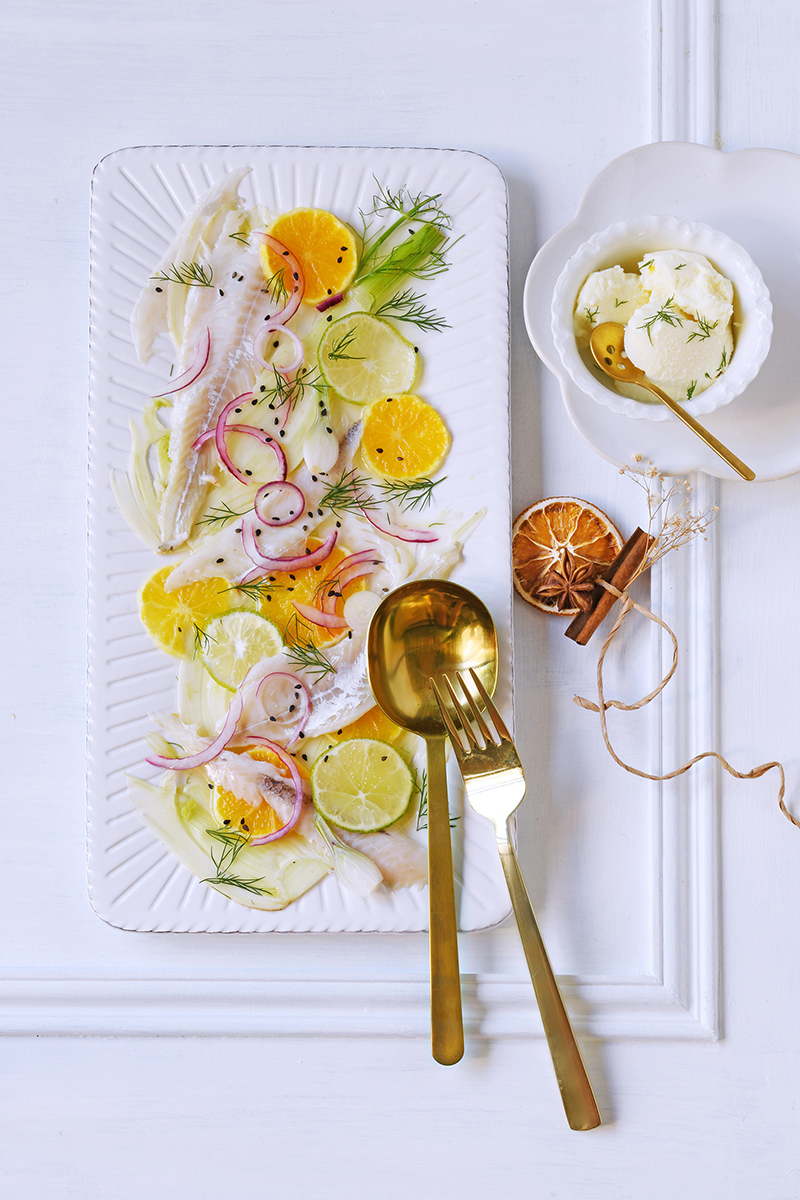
619,573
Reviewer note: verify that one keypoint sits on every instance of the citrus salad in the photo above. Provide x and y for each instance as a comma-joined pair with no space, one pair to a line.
287,472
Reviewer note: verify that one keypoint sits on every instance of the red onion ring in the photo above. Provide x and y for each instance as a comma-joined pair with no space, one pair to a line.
398,531
262,337
309,559
276,487
330,596
213,748
297,807
328,620
293,303
301,691
253,431
194,370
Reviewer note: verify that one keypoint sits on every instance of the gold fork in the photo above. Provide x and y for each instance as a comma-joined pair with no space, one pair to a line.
495,786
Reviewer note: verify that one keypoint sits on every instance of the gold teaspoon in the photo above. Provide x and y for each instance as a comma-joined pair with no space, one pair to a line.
608,348
418,631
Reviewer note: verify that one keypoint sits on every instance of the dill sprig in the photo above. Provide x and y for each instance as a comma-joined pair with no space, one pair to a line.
255,590
411,494
240,237
704,329
276,288
348,494
288,391
408,306
192,274
301,651
233,841
421,253
221,515
667,313
202,640
723,362
691,389
591,314
338,350
421,788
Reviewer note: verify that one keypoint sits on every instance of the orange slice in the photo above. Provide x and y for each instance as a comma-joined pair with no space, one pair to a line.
558,537
235,813
403,437
173,618
325,247
306,586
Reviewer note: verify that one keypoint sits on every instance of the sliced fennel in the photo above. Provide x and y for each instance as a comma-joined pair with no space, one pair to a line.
180,817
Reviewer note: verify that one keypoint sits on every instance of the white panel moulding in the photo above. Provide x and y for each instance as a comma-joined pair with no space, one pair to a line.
679,998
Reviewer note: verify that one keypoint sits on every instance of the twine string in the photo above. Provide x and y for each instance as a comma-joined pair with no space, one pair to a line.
604,705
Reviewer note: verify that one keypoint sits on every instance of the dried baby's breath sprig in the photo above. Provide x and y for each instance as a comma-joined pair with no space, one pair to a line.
670,521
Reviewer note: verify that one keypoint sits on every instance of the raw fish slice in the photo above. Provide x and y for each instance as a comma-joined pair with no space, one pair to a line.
232,319
150,313
402,861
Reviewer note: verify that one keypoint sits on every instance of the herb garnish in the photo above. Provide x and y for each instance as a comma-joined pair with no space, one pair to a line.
201,640
410,494
240,237
288,391
301,651
347,495
191,274
704,329
342,344
690,389
421,788
221,515
276,288
591,314
667,313
233,842
408,306
256,590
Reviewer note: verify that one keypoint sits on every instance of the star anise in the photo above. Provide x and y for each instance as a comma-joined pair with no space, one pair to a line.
570,585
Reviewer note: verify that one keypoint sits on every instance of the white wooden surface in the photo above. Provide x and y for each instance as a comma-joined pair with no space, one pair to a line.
298,1066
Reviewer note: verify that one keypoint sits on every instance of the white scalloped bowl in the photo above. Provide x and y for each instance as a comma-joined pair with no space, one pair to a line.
627,243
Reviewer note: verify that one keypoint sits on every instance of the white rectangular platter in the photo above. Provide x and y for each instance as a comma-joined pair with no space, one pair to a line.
140,197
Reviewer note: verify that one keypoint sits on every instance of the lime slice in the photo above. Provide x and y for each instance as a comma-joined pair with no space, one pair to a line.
361,784
364,358
235,642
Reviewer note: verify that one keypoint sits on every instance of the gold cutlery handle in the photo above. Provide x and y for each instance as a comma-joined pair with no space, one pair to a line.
576,1091
716,445
447,1027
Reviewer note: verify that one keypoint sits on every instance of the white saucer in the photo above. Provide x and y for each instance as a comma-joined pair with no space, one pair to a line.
754,197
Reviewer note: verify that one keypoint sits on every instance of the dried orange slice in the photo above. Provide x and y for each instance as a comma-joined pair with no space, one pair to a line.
325,246
403,437
561,539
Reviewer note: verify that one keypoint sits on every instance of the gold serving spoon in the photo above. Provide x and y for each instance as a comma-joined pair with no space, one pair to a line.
419,631
608,348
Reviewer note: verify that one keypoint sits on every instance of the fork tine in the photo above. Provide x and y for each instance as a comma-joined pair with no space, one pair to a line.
490,707
451,729
477,715
462,716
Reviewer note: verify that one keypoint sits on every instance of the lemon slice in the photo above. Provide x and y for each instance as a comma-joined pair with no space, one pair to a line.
361,784
363,358
235,642
173,618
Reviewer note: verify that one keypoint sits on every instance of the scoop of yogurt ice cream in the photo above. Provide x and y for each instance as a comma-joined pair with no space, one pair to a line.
677,315
610,295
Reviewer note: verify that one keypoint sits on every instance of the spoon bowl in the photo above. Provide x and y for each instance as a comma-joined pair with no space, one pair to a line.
417,633
420,631
607,344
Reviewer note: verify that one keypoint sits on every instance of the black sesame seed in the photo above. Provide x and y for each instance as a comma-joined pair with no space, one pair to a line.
379,449
339,259
305,757
258,533
292,707
328,429
282,433
239,530
221,292
211,786
219,560
329,318
248,472
301,734
273,718
159,289
384,757
313,479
